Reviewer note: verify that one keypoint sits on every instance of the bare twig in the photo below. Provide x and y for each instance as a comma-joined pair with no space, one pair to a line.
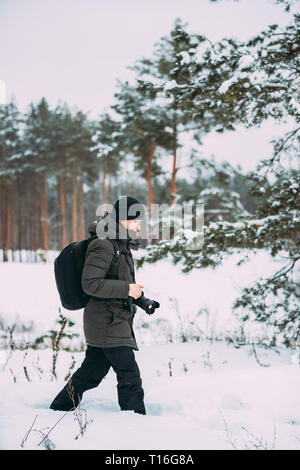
25,368
206,359
55,345
70,368
8,358
46,435
81,417
47,443
80,414
258,442
27,433
12,345
256,357
14,377
170,367
37,368
229,439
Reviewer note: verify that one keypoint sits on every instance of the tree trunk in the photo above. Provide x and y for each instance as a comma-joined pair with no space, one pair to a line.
44,212
2,218
104,197
174,169
32,202
7,221
110,195
2,208
81,225
134,188
37,211
26,214
20,208
74,206
14,225
61,186
149,174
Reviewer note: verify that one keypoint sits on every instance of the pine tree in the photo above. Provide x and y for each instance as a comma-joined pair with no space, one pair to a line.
143,133
82,161
215,187
36,143
10,157
161,76
107,144
250,82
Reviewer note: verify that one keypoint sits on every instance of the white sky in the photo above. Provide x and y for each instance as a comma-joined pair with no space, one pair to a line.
2,92
74,50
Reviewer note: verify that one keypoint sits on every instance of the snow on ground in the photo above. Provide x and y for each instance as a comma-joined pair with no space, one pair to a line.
218,397
29,294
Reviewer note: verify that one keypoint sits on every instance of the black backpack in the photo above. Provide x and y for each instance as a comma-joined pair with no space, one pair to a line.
68,267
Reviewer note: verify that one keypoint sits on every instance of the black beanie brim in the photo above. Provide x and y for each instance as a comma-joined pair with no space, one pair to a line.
122,208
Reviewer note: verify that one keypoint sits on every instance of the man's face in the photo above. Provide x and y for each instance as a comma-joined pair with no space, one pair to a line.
134,225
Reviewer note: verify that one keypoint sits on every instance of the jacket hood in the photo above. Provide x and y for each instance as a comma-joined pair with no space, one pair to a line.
108,227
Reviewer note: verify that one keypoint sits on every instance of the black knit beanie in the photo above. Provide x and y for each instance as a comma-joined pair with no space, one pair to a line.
122,208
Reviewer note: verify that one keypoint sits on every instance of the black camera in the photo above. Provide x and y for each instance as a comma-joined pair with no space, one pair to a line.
146,304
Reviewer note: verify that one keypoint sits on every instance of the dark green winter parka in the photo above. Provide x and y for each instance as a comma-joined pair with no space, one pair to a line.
106,322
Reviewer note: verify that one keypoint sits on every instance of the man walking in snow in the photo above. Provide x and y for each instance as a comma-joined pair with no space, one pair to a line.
107,323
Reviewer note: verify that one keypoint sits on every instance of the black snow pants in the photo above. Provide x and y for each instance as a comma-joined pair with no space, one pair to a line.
94,368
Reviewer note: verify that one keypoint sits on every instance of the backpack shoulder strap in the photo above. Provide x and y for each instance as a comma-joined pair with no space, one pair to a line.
126,253
110,273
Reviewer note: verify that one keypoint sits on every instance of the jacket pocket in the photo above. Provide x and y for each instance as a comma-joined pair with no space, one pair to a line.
119,327
118,310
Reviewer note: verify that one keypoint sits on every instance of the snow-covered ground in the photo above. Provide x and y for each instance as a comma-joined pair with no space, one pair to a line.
197,303
199,394
218,397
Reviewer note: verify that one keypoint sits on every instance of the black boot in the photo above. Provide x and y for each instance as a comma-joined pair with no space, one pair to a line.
67,400
141,411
